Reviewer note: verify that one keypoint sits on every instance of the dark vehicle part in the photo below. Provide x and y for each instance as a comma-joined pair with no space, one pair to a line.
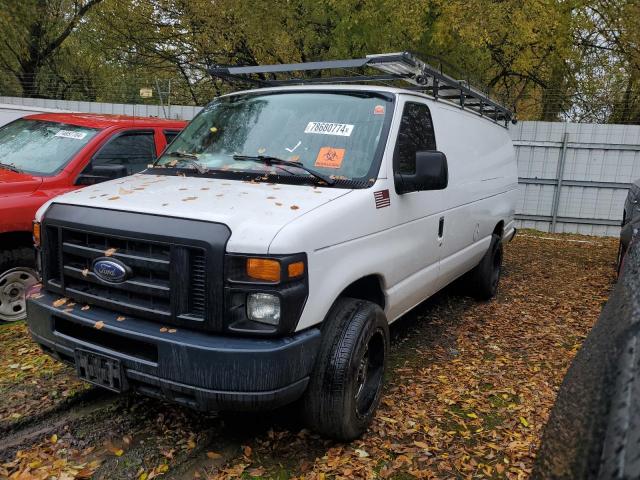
594,428
484,279
198,369
346,384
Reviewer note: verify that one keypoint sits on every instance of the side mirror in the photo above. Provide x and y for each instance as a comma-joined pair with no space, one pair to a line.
431,173
101,173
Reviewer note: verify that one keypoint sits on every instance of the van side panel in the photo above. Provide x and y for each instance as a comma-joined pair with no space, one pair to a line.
482,188
398,243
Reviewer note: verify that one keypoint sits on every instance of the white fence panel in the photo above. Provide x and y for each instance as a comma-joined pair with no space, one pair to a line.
595,165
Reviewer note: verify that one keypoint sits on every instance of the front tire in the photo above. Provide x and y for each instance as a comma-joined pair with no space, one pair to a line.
17,274
485,277
345,387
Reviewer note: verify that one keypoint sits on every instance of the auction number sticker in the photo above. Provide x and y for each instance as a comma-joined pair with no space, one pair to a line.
71,134
327,128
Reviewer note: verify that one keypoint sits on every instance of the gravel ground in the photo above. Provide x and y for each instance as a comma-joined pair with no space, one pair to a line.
469,388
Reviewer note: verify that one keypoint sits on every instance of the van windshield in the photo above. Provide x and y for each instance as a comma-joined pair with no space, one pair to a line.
40,147
334,133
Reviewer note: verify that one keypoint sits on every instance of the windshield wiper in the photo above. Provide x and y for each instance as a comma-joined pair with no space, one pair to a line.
191,159
269,160
9,166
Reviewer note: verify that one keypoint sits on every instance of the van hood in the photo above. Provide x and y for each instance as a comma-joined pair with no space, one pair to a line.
14,182
254,212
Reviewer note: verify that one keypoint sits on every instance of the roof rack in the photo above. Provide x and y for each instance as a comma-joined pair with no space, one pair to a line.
401,66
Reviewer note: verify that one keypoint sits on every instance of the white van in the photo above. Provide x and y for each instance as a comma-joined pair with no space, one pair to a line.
263,257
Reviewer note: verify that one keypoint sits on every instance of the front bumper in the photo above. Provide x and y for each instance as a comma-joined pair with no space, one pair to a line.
201,370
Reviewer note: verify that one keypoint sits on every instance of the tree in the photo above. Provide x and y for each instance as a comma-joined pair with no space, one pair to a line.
34,32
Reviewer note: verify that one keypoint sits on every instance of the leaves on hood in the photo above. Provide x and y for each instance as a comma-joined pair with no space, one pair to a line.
59,302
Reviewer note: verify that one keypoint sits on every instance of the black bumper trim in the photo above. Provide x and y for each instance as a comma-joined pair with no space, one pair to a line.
201,370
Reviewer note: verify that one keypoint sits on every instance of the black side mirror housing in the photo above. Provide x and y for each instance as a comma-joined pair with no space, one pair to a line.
101,173
432,173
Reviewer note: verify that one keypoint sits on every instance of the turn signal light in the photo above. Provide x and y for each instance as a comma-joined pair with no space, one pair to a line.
295,269
36,234
263,269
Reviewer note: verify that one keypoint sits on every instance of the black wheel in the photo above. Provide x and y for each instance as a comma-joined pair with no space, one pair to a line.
17,274
485,277
345,387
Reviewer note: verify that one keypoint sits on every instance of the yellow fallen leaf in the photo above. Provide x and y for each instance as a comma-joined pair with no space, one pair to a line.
121,318
191,444
115,197
109,252
213,455
421,445
162,468
86,307
472,415
524,422
99,324
118,452
143,476
163,329
54,438
85,272
388,420
172,330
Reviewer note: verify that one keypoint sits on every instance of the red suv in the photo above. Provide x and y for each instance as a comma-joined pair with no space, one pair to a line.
45,155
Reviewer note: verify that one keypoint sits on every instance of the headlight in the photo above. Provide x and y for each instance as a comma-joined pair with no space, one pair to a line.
263,308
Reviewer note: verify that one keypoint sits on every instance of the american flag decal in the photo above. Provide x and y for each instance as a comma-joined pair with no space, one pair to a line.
382,198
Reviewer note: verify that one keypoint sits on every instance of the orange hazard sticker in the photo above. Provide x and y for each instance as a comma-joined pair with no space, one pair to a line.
329,157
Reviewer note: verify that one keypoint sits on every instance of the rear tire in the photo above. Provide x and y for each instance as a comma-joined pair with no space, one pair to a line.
345,387
17,274
485,277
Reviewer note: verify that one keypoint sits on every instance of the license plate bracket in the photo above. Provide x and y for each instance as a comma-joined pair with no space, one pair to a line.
101,370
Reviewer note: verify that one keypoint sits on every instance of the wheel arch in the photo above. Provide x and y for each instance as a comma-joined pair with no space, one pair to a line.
367,288
11,240
499,228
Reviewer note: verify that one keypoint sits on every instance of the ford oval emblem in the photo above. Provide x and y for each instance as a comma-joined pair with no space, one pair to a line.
110,270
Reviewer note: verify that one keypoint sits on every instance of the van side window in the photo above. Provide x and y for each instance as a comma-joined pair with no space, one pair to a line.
416,134
134,150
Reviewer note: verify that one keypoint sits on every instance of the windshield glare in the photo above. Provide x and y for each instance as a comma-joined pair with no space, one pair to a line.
336,134
40,147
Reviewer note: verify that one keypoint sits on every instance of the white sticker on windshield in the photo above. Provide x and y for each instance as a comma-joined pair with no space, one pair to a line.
71,134
326,128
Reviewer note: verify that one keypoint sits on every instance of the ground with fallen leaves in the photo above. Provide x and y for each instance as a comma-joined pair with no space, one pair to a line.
469,388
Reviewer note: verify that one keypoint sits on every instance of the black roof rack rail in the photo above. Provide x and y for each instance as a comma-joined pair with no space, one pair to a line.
400,66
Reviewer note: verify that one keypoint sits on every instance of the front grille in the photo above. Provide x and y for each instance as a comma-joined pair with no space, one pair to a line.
167,283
